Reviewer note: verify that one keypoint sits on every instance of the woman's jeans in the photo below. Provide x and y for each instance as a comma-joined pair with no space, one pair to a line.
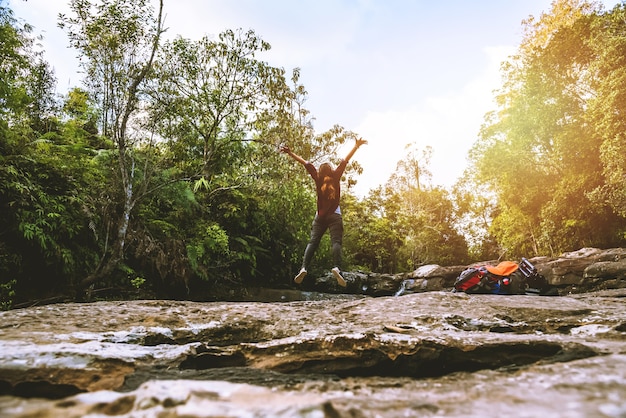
332,222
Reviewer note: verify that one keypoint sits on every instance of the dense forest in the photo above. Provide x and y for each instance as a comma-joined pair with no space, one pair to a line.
161,174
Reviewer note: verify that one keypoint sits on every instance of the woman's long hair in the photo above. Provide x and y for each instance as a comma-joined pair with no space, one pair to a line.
325,173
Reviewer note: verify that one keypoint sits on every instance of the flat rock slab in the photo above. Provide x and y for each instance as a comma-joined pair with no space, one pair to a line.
424,354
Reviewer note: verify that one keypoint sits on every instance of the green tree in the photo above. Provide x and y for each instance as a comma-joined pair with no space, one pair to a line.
426,215
608,105
476,206
408,222
15,45
206,101
373,235
42,242
45,185
540,151
208,95
118,40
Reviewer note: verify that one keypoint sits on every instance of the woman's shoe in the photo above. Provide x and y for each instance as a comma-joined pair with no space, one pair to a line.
300,276
339,277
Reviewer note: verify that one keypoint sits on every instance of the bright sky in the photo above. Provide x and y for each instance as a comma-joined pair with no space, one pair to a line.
395,72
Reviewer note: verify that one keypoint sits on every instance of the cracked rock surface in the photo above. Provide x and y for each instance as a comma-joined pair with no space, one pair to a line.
423,354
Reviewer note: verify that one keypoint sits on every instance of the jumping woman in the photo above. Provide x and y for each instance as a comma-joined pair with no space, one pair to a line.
328,216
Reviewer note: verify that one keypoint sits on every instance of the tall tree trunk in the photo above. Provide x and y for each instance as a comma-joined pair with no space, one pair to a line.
127,169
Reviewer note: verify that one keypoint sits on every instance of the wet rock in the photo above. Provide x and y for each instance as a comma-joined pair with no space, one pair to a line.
606,270
421,354
586,269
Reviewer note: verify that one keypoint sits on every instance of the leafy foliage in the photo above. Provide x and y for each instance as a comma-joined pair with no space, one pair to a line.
409,223
542,152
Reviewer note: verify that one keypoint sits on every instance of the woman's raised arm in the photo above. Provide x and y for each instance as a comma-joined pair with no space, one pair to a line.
293,155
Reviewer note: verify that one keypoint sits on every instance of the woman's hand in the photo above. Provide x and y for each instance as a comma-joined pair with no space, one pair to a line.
285,149
360,142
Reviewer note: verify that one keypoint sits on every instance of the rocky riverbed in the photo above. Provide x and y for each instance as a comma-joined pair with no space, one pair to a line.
427,353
